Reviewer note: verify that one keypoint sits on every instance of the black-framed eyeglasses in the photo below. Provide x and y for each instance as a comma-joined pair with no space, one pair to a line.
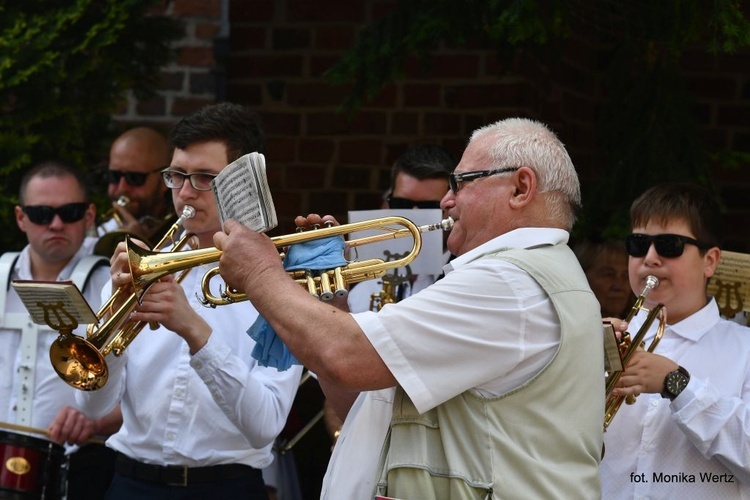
135,179
666,245
396,202
174,179
456,178
44,214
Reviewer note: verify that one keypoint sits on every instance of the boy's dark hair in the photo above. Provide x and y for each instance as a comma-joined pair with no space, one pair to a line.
692,203
428,161
52,168
239,128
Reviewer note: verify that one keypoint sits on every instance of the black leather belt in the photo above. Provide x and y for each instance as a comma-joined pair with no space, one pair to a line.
176,475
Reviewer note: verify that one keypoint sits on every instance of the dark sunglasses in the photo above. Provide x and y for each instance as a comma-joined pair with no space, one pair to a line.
43,214
135,179
455,179
396,202
666,245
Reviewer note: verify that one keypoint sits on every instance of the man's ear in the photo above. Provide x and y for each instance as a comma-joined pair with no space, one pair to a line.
19,218
524,187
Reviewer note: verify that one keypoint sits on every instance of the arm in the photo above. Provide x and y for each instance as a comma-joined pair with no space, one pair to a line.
326,340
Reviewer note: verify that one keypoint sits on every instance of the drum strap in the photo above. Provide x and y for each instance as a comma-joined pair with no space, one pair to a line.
30,330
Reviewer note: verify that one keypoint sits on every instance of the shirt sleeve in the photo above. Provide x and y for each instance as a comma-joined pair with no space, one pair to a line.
246,392
717,425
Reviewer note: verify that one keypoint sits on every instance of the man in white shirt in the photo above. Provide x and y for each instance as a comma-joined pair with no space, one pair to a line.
199,414
54,212
686,436
484,361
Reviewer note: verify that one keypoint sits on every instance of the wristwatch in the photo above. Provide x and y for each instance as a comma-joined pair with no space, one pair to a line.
675,382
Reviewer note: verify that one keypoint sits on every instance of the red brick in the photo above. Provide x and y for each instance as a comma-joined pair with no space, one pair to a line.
282,123
261,66
736,115
252,11
334,11
281,149
250,95
404,123
182,106
206,31
313,94
152,107
441,124
247,38
204,8
290,38
317,150
305,177
358,152
196,56
333,37
706,87
422,95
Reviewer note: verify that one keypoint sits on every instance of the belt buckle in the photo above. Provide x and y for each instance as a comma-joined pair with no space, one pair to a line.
184,481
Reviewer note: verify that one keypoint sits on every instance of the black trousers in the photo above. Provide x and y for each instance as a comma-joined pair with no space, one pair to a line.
249,488
90,471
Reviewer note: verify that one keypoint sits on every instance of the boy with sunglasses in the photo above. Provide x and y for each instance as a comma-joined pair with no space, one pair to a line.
686,436
55,213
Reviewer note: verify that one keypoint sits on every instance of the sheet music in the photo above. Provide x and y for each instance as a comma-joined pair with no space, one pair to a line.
242,193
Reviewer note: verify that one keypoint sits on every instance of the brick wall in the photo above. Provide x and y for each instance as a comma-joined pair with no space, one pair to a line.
324,161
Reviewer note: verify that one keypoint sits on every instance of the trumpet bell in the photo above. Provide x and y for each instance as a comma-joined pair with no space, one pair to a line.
79,363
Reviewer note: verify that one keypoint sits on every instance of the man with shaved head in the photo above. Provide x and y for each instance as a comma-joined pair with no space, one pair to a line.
139,197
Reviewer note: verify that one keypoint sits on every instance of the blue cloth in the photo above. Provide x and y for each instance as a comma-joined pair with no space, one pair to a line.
317,255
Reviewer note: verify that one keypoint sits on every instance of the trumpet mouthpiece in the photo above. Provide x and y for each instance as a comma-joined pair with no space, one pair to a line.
445,225
651,283
188,212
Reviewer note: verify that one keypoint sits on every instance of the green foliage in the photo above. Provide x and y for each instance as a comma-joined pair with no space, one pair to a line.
65,68
646,130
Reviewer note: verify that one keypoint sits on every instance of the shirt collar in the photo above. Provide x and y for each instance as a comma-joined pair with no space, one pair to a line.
525,237
695,326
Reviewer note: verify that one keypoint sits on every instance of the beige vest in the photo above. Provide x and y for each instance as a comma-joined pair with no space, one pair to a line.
540,441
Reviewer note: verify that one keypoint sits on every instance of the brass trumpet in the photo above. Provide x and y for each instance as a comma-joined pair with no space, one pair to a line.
80,362
146,267
628,346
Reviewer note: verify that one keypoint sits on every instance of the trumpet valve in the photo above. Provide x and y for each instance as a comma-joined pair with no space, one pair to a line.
339,283
325,287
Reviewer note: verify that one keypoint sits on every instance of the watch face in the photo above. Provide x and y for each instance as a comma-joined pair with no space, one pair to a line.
676,382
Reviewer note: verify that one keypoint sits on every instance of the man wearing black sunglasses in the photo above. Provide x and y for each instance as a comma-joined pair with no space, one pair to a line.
140,200
686,435
496,368
419,179
55,213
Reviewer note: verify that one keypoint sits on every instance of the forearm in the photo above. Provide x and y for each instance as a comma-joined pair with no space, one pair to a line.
324,338
256,400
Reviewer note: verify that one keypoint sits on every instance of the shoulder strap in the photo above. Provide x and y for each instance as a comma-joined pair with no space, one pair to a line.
84,267
7,263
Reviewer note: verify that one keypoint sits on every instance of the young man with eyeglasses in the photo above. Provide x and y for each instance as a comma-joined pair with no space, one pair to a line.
54,212
139,198
199,414
491,396
686,436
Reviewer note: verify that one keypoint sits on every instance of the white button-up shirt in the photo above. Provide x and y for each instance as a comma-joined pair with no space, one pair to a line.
50,392
216,407
697,446
444,325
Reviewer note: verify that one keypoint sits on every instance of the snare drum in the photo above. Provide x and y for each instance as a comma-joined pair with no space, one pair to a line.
31,467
